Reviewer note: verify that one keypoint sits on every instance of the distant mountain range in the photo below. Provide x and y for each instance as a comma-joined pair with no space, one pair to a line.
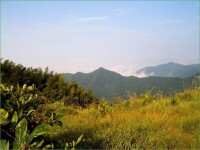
109,84
169,70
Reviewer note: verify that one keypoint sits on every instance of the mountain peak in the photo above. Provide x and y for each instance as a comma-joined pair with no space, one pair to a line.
101,69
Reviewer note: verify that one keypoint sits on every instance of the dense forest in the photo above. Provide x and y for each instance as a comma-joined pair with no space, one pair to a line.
41,111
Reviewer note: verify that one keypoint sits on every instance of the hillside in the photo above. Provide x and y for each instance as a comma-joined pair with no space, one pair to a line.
108,84
170,69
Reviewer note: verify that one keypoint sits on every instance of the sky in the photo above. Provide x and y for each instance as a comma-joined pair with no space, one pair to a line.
81,36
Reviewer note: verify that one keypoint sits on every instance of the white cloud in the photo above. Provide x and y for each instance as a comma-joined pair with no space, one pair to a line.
125,70
129,70
143,74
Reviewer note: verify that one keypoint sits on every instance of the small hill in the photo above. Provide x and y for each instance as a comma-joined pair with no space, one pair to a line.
170,69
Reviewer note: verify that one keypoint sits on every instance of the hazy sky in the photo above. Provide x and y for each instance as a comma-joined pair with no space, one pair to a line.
81,36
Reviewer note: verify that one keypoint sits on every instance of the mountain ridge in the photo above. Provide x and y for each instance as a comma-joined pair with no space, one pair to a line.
106,83
170,69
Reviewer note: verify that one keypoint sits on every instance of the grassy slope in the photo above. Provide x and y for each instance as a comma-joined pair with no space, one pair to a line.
144,121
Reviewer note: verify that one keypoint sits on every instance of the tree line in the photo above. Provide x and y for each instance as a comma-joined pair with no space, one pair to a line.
50,86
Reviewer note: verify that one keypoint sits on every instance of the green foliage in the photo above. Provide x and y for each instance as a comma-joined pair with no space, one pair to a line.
4,145
16,108
15,103
51,86
20,134
70,93
3,117
22,138
13,74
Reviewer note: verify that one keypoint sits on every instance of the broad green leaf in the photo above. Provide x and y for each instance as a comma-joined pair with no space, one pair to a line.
30,88
24,87
2,87
20,134
20,112
14,119
7,89
11,88
22,99
30,98
3,117
4,145
37,131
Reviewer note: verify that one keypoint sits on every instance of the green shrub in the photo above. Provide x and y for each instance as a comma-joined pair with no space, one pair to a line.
15,111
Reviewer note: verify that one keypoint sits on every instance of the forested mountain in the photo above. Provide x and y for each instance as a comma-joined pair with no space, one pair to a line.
170,70
109,84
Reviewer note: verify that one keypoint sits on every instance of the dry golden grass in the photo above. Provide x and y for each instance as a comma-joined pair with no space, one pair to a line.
145,122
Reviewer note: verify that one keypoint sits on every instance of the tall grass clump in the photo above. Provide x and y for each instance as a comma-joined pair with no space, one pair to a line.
141,122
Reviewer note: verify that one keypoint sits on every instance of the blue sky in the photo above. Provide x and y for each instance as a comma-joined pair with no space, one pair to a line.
77,36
